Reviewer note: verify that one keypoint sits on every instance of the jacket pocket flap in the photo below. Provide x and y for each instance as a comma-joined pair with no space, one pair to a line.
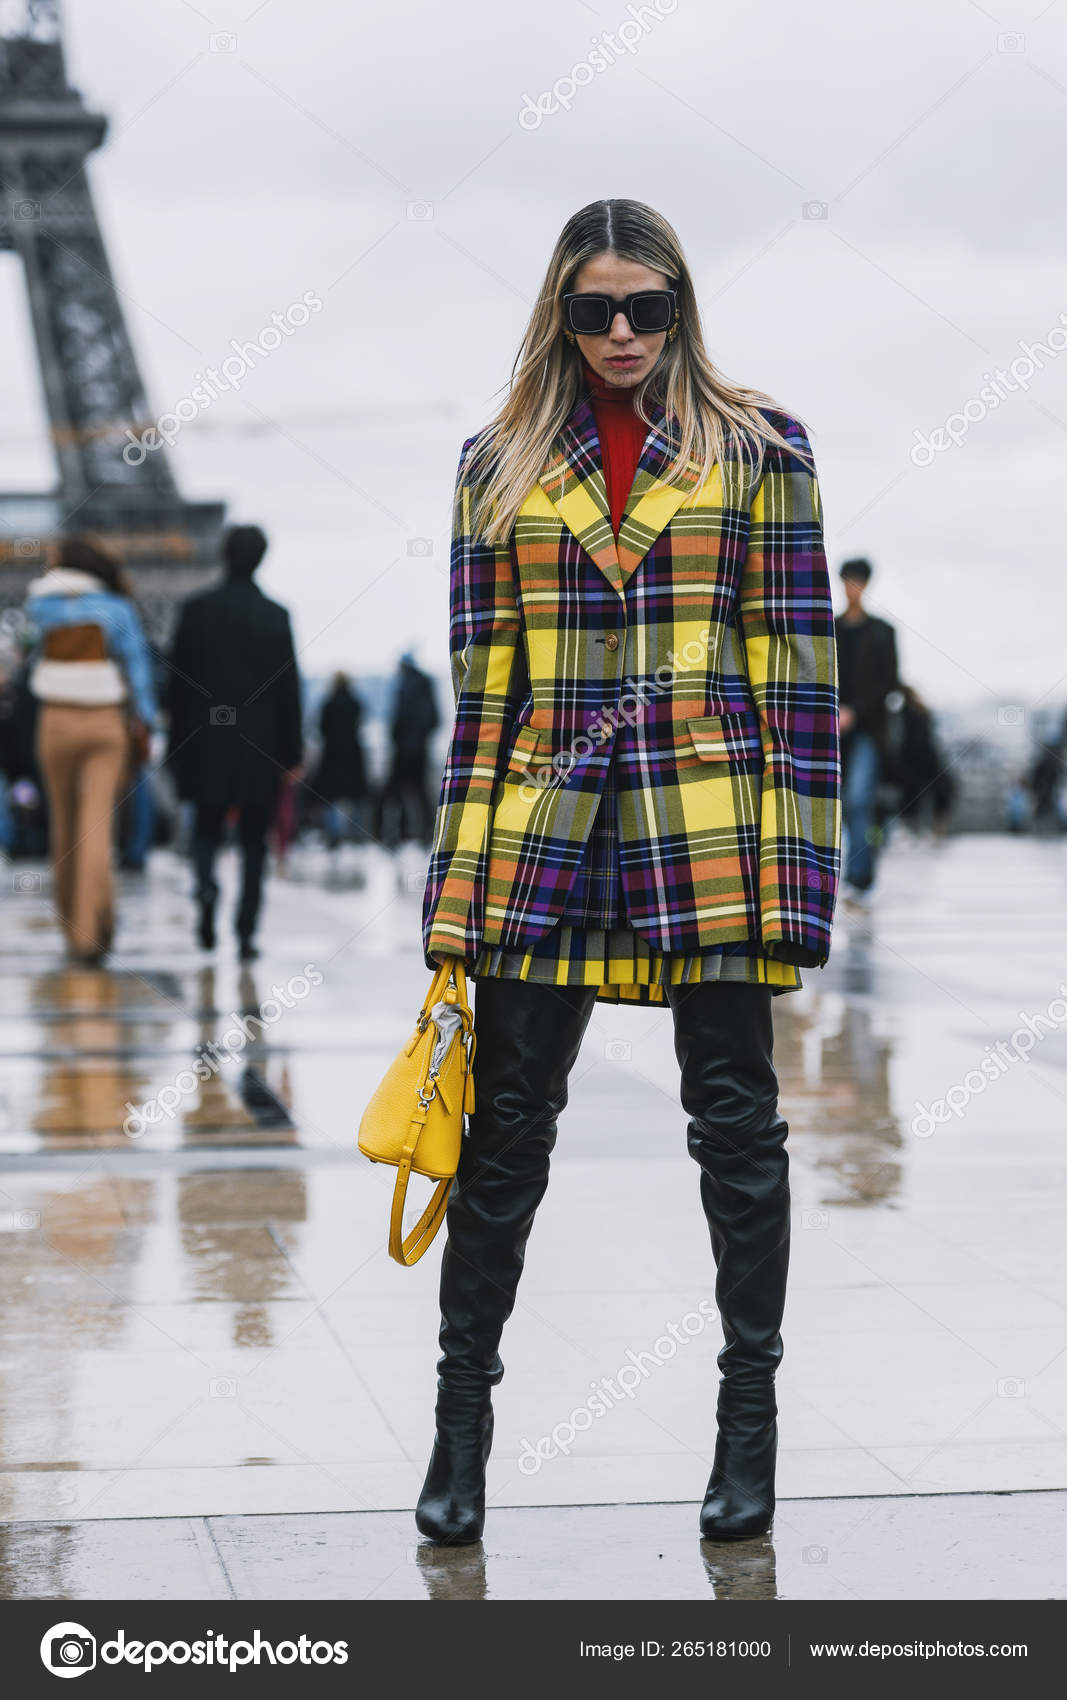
717,737
524,749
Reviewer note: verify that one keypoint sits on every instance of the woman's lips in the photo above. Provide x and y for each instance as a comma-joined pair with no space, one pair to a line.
623,359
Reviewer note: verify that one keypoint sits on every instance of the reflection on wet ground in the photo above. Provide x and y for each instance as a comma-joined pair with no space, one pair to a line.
199,1320
959,1546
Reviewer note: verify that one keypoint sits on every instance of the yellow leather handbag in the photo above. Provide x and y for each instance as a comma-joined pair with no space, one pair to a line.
415,1119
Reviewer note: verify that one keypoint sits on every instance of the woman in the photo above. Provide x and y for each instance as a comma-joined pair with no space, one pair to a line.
641,800
93,679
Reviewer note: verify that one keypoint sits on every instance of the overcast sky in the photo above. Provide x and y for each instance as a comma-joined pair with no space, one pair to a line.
375,157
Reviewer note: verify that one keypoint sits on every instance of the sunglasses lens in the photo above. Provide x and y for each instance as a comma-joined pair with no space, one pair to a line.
589,315
651,312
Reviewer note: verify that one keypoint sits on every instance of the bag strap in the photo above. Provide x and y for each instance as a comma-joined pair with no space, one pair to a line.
408,1251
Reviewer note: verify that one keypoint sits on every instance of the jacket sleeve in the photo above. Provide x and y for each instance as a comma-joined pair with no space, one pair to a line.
791,656
484,627
289,703
135,657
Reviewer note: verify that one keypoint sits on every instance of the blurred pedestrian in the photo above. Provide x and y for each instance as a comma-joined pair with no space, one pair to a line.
139,821
235,725
341,775
9,762
867,675
91,675
919,767
29,821
405,810
1043,783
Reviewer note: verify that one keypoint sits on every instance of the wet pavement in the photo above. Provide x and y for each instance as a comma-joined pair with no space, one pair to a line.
214,1383
949,1547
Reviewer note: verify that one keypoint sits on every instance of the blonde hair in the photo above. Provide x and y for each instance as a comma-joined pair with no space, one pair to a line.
710,415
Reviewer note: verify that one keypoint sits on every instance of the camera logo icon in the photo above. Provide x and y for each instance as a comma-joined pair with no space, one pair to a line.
68,1649
223,714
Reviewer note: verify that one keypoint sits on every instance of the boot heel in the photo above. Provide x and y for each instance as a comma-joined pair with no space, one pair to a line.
739,1502
451,1506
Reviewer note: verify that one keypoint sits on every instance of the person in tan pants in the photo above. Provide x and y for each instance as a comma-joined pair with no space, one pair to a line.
83,755
92,677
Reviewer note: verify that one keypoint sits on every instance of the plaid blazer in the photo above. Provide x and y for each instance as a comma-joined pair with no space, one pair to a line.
696,655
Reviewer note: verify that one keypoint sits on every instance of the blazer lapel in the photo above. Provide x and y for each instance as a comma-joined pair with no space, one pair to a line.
652,504
573,481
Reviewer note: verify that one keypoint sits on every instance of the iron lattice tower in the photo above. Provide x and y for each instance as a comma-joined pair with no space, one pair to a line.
92,386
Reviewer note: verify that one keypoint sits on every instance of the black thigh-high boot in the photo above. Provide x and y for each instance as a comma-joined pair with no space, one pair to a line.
528,1036
724,1041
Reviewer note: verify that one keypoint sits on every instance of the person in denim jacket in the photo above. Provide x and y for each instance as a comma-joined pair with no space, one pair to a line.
92,676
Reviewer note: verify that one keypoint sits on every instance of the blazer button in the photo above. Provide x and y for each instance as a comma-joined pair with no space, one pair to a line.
611,641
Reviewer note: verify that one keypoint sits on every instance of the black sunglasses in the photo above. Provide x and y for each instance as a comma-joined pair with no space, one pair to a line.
646,310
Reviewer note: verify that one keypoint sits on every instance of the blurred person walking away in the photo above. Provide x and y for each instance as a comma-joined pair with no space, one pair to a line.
9,757
405,810
235,725
92,676
926,786
29,828
1043,783
139,822
341,775
867,674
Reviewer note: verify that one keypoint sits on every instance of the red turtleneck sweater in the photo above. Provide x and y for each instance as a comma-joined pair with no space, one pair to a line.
622,437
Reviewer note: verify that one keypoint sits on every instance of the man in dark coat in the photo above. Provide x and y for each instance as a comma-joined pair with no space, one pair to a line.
867,675
235,723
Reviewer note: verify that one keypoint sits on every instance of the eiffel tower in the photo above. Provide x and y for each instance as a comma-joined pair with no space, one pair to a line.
92,387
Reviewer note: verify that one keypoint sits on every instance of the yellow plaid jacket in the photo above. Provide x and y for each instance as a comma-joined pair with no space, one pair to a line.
695,655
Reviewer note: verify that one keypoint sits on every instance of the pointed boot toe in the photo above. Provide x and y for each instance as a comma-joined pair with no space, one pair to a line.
739,1502
730,1516
451,1506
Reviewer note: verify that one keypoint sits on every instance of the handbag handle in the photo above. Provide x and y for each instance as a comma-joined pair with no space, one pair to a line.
408,1251
451,967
